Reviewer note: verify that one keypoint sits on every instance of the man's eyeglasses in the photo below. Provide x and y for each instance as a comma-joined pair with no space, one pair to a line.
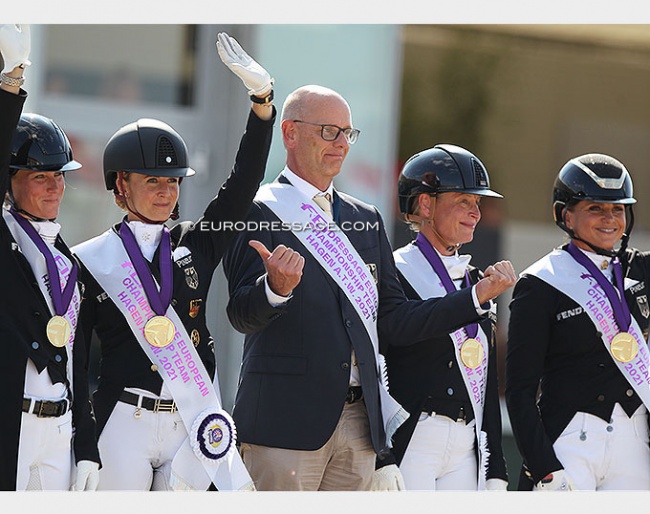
331,132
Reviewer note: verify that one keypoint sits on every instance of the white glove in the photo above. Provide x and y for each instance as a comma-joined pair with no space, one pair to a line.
496,484
556,481
255,78
15,45
87,476
388,478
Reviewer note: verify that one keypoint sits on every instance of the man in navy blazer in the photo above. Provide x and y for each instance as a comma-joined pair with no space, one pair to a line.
310,411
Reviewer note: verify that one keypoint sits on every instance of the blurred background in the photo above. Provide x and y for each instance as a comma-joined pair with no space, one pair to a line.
523,98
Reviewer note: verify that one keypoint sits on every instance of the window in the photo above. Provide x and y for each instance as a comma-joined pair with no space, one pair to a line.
122,63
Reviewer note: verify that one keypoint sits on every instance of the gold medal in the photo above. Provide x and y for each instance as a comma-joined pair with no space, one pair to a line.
58,331
159,331
624,347
471,353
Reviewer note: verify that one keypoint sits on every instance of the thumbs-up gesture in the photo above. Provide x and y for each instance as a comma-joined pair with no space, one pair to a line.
283,267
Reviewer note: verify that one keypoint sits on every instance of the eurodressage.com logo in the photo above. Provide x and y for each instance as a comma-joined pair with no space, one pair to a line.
283,226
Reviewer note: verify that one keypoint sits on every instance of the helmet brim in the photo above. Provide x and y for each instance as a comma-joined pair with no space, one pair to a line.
482,192
620,201
69,166
162,172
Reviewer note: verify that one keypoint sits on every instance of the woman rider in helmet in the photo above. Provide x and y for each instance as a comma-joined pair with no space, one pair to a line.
160,422
452,439
577,363
46,424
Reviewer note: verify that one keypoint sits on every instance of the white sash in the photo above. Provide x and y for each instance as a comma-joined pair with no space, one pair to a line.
423,279
338,257
560,270
39,268
182,370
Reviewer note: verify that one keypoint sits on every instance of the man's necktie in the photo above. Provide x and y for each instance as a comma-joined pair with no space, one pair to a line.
324,201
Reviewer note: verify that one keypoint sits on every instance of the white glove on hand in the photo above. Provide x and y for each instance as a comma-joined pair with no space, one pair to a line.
255,78
15,45
556,481
388,478
87,476
496,484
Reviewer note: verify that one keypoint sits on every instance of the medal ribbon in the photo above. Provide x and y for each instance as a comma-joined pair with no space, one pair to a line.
159,301
434,259
60,298
619,305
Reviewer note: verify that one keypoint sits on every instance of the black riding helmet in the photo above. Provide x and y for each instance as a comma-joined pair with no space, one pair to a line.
146,146
149,147
597,178
441,169
39,144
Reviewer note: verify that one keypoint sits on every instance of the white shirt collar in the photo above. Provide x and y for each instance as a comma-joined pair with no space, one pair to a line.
147,236
48,230
599,261
305,187
456,264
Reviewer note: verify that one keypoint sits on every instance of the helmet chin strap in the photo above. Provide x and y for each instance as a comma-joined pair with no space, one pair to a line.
421,220
597,249
29,215
133,210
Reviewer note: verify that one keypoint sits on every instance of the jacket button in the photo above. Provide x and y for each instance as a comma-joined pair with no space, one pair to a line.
174,302
58,358
345,365
450,364
348,323
35,345
154,368
450,391
37,313
629,393
601,398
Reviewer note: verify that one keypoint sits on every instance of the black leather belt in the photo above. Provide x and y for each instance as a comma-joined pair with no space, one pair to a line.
355,393
148,403
45,408
460,415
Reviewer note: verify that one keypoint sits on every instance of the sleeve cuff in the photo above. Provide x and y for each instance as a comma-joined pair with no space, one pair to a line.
480,309
275,300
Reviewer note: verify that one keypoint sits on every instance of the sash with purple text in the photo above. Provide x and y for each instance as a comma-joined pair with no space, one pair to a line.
415,268
39,267
560,270
338,257
212,435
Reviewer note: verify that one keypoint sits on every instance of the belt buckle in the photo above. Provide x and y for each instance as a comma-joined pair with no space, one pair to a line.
160,406
62,407
41,405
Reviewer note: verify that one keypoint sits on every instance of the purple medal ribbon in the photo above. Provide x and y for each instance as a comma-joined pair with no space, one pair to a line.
619,305
434,259
60,298
159,302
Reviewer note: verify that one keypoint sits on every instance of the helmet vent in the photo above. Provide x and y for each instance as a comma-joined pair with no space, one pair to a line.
480,176
166,153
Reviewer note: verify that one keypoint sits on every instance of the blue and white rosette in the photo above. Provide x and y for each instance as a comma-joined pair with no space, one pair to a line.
213,435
